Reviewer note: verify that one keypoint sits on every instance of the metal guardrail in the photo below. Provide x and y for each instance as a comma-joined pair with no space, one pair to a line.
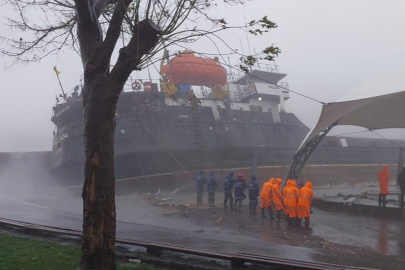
153,247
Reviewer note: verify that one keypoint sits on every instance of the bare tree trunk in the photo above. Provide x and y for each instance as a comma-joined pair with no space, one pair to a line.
98,243
100,95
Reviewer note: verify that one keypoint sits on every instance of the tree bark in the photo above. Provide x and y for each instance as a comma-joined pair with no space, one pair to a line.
98,240
100,95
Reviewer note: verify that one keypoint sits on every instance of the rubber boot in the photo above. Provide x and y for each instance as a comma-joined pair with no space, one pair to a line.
306,223
231,203
254,213
271,213
263,215
278,214
239,206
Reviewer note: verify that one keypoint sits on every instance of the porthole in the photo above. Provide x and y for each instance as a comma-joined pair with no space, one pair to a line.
122,130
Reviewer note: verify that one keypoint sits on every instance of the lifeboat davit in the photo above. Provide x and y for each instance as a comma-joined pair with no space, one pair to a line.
187,68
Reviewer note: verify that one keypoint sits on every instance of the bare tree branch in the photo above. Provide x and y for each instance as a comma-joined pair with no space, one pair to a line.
114,30
129,59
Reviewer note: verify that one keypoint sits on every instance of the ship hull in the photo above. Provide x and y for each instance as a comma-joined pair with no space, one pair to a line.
156,135
163,162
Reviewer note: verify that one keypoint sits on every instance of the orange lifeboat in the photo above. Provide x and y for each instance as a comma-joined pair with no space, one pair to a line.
186,68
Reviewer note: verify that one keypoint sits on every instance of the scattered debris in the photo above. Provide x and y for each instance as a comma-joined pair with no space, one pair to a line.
350,201
219,221
216,230
135,261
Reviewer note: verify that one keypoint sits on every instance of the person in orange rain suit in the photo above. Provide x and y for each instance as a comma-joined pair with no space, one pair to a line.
266,198
292,201
305,197
285,199
278,198
383,178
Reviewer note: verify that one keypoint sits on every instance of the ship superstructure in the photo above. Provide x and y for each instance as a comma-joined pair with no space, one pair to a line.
189,122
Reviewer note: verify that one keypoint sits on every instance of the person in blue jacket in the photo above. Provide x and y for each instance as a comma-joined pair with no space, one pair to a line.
199,186
240,186
211,185
253,194
229,182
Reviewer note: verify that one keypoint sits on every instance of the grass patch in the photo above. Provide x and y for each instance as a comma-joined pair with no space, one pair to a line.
26,254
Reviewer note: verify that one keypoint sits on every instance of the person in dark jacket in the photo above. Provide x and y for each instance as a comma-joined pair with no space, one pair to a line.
253,194
229,182
401,183
199,186
211,185
240,186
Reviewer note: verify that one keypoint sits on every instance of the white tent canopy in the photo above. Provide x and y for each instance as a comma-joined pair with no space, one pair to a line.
376,103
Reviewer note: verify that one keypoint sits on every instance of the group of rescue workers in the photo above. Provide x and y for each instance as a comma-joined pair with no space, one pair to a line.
294,201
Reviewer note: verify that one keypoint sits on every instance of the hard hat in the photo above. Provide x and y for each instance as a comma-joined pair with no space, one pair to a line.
240,176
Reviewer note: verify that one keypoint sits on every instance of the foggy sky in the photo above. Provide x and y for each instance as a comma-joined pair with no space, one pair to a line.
327,48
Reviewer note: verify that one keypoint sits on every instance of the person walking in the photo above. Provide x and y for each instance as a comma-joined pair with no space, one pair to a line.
211,185
383,178
229,182
401,183
278,199
199,186
240,186
253,194
305,197
266,198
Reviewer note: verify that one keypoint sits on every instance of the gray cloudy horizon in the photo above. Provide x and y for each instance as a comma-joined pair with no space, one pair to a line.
328,47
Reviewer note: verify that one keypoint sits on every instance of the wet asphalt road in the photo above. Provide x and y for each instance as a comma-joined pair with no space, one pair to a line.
155,227
137,219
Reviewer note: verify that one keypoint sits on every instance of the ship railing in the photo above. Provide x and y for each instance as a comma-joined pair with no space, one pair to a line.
235,76
284,85
235,96
267,67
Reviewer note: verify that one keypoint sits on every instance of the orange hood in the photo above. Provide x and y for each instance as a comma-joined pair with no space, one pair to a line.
308,184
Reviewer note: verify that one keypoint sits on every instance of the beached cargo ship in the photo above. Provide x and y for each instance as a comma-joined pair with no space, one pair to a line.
198,116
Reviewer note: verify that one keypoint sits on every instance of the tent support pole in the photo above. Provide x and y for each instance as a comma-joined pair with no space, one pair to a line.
301,157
